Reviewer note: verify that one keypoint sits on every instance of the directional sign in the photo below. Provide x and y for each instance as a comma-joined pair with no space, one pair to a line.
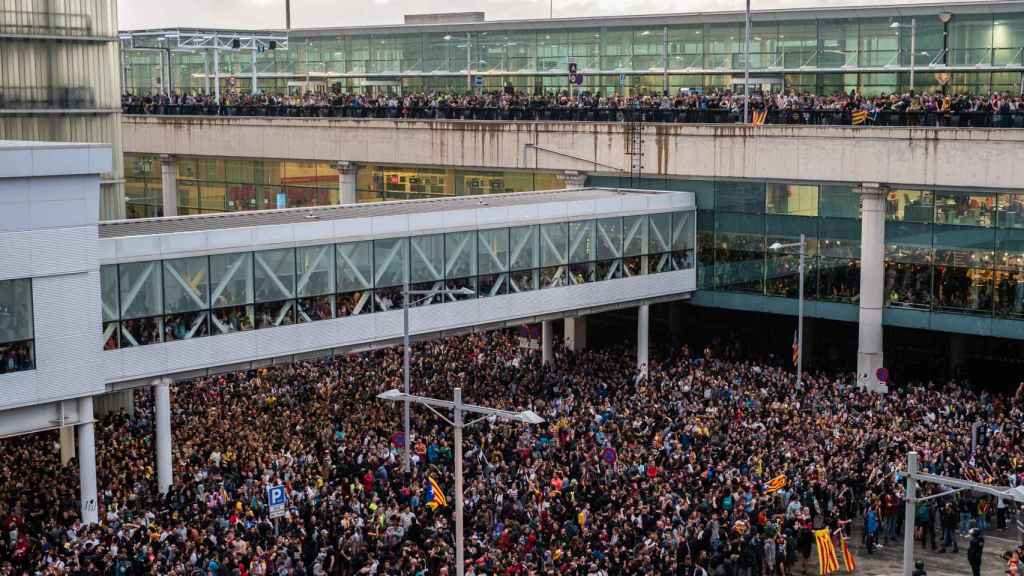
276,500
572,68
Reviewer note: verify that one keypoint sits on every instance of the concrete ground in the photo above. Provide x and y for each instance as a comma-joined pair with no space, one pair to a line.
888,560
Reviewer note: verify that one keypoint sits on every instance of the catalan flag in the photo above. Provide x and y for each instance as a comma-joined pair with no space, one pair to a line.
435,496
759,117
775,484
859,117
851,563
796,347
827,561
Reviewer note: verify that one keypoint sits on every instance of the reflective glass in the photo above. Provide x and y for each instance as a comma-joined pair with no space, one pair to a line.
660,237
15,310
426,258
739,255
186,284
109,292
683,224
840,279
910,206
314,266
493,251
745,197
964,208
141,290
231,279
460,255
389,257
581,241
524,254
609,238
1010,211
636,236
839,202
275,275
792,199
355,265
553,244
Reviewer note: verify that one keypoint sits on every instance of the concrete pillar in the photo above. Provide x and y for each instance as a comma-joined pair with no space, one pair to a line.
574,179
576,333
547,335
872,286
162,408
346,182
87,462
169,184
67,444
642,333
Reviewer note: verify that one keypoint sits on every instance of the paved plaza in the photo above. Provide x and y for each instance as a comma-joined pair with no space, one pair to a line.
888,560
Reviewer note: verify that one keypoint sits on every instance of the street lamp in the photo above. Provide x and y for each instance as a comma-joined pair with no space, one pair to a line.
458,409
913,45
406,292
746,66
802,244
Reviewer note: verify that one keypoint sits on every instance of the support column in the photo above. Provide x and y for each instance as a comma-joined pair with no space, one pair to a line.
169,184
642,332
346,182
547,335
67,444
87,462
872,286
576,333
216,74
574,179
162,406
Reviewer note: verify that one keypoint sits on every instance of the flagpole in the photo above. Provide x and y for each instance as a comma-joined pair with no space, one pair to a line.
460,552
800,320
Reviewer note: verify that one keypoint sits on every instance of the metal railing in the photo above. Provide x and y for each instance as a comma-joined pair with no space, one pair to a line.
977,119
39,23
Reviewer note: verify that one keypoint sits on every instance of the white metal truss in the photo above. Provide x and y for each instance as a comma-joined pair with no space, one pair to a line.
584,233
138,285
322,256
201,40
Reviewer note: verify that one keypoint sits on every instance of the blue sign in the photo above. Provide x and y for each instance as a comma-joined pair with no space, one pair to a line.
282,200
478,80
622,79
609,455
276,496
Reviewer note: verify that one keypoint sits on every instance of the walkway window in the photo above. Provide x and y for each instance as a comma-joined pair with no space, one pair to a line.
634,245
314,285
17,347
275,288
683,230
355,278
187,298
111,307
141,303
492,257
554,244
231,292
659,243
609,249
390,272
426,268
581,252
524,258
460,263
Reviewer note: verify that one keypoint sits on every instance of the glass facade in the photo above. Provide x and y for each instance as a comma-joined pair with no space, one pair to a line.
950,251
208,185
180,299
17,345
802,53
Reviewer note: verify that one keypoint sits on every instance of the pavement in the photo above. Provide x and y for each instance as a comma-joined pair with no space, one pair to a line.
888,560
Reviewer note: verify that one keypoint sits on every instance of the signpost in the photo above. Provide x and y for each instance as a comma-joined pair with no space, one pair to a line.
478,81
276,501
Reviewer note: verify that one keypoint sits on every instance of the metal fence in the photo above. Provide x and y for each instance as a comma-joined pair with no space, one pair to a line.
586,114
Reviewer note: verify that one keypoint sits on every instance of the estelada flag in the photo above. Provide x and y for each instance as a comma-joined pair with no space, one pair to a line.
759,117
827,561
435,497
851,563
775,484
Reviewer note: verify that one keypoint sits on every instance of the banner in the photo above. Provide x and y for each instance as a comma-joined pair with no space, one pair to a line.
775,484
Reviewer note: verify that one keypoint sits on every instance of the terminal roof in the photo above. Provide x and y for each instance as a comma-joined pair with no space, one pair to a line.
147,226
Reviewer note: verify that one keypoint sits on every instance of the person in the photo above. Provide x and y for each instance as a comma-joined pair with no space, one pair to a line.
919,569
974,551
949,519
871,529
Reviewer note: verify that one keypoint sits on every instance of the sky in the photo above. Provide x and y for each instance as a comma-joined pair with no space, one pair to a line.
136,14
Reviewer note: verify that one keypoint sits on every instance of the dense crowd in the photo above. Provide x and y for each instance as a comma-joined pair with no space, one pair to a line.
713,105
663,474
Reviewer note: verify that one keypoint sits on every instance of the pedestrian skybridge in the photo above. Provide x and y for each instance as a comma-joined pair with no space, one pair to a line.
189,295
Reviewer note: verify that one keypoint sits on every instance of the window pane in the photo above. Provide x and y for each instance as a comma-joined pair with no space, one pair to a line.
964,208
389,258
746,197
141,292
524,248
427,258
553,244
231,279
1011,211
275,275
355,265
910,206
739,256
609,238
581,241
108,291
493,253
660,239
15,310
314,266
186,284
636,231
792,199
460,256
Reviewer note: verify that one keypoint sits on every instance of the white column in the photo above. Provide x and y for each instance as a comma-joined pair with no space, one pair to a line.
642,332
216,73
547,335
872,286
574,179
254,77
206,71
346,182
67,444
169,184
162,405
576,333
87,462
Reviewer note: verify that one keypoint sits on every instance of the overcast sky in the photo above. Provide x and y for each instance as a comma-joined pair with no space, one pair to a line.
134,14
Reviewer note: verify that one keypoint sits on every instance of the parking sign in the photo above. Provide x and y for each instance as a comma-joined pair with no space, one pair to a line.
276,500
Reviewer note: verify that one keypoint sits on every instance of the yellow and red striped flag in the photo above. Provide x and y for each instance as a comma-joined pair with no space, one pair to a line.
759,117
827,561
859,117
851,563
775,484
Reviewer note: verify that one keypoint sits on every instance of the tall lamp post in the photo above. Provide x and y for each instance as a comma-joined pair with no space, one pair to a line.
913,45
458,410
406,351
746,66
802,244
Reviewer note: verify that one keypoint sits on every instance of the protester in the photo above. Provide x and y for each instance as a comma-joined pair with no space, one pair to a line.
665,474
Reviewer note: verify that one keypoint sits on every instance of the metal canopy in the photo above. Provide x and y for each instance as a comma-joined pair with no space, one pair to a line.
177,39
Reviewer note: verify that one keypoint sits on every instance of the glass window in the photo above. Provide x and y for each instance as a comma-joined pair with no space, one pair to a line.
839,202
744,197
524,254
186,284
783,264
493,253
15,311
660,236
1009,275
554,244
739,254
460,256
231,279
389,256
314,266
141,290
109,292
910,206
792,199
636,229
1010,211
964,208
275,275
426,259
355,262
683,230
581,241
609,238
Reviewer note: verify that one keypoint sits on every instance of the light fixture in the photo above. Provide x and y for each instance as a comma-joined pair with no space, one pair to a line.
645,33
447,36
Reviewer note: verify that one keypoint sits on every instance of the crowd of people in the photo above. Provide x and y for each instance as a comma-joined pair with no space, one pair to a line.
629,474
682,106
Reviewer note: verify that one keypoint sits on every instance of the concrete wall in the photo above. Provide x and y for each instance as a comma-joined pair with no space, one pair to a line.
987,158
